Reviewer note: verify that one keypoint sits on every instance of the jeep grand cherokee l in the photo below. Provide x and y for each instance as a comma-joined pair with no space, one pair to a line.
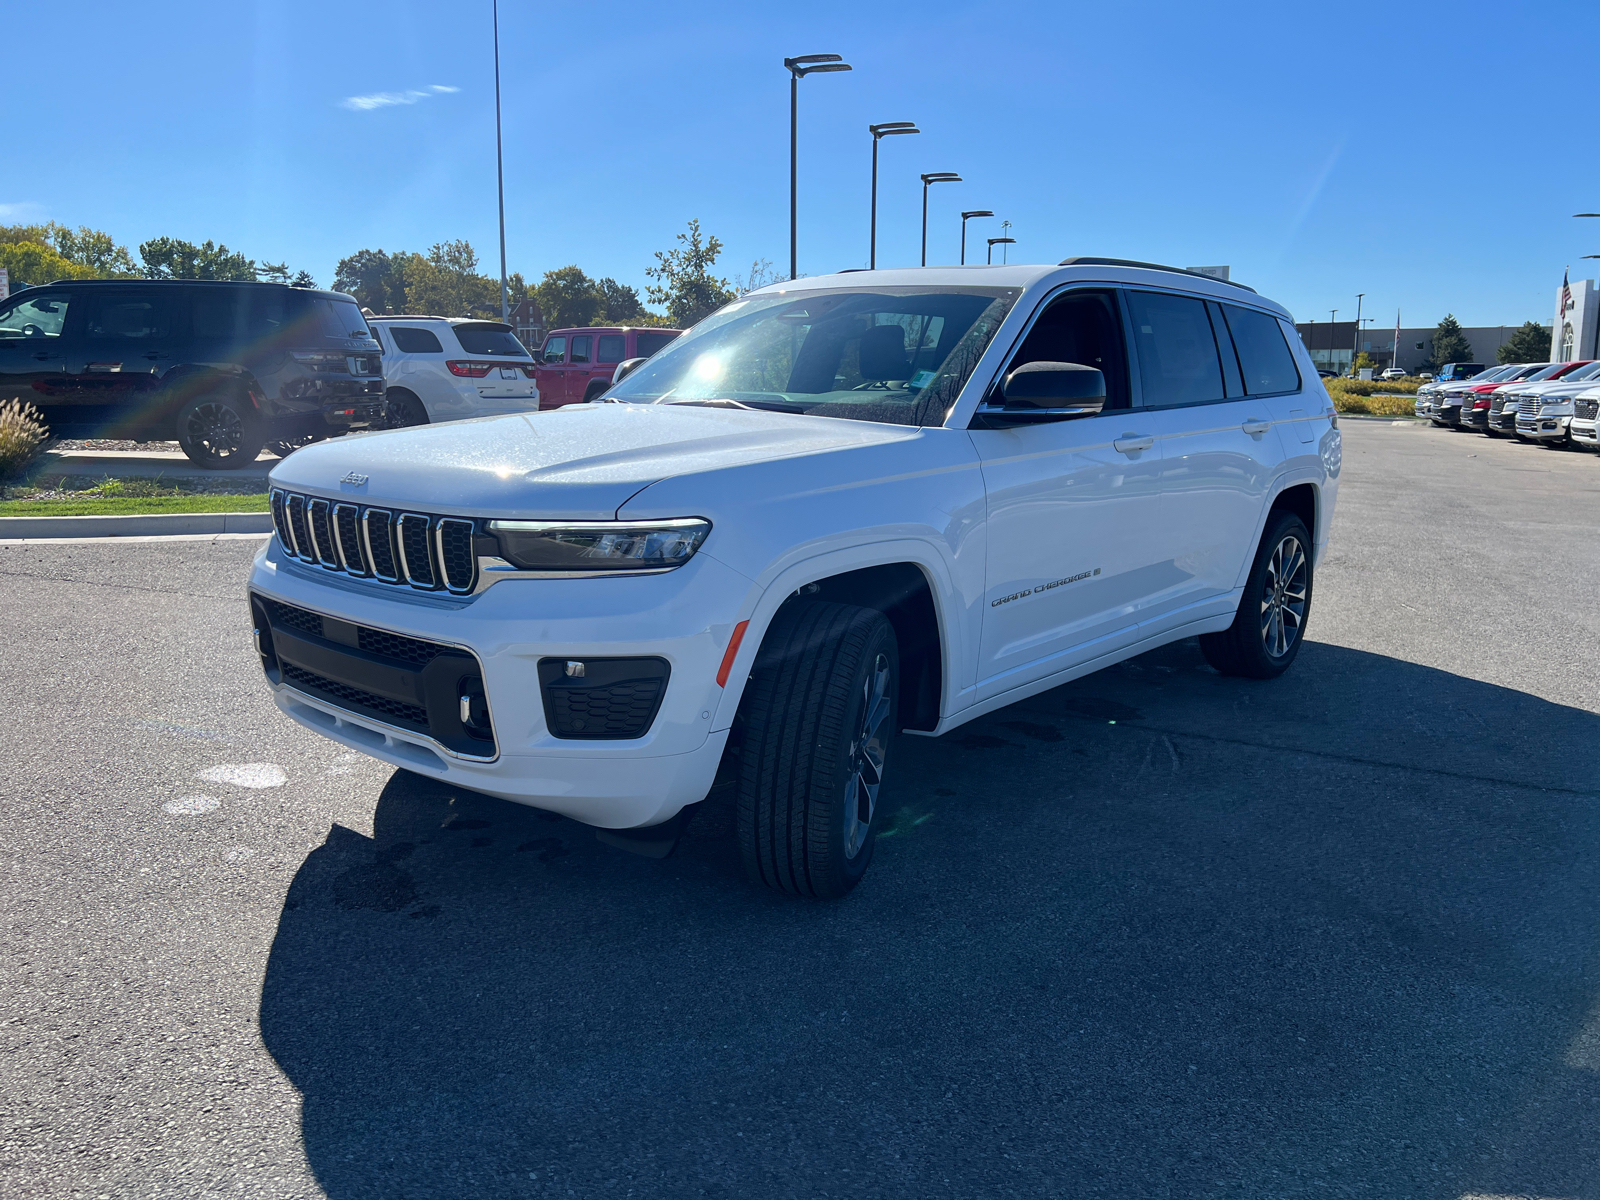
837,509
224,368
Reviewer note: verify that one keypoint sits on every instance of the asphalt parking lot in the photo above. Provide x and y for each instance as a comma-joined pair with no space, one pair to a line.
1157,933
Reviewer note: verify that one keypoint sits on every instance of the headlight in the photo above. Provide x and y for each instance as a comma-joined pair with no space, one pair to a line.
584,546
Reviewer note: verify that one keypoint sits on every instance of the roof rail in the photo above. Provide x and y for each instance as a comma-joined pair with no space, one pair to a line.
1081,261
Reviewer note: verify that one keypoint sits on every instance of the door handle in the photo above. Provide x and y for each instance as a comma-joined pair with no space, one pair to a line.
1130,442
44,357
153,354
1253,426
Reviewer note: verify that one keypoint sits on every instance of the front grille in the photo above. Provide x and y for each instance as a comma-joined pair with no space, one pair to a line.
293,617
1585,410
395,645
395,711
1528,406
612,697
426,552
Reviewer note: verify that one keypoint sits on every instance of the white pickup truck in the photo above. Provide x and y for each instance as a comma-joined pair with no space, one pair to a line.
837,510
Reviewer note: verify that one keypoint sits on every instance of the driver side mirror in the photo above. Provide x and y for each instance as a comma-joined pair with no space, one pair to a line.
1040,392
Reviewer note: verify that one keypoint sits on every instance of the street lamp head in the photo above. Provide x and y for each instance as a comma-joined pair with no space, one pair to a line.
801,59
892,127
1002,241
977,212
1586,214
802,72
942,177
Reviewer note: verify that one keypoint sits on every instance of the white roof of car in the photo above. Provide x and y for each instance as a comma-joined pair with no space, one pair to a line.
1101,270
446,320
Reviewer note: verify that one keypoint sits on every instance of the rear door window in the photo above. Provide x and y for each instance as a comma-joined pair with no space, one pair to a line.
1178,361
121,317
1264,356
611,348
580,348
489,338
415,341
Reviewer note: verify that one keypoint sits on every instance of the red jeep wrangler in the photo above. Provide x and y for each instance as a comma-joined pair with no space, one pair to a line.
576,365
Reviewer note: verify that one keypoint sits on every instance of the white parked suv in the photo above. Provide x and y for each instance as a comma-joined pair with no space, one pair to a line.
1583,425
448,369
837,509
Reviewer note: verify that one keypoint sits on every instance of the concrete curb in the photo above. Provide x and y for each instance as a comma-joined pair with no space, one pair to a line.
148,525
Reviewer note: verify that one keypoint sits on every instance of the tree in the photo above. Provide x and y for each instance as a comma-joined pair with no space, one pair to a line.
1530,343
1449,344
171,258
1363,362
619,303
377,280
274,272
568,298
761,274
446,283
684,283
96,250
33,254
303,279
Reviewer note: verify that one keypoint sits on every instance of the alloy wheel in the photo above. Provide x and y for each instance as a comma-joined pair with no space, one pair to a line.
867,755
1283,599
217,429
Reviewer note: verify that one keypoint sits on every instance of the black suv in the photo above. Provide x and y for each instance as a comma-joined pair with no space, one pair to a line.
225,368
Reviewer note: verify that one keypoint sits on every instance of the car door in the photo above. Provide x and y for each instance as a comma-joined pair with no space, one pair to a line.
126,341
580,360
33,335
1220,440
609,350
552,372
419,368
1072,510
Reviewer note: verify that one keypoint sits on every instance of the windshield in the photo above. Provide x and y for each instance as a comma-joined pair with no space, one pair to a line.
896,355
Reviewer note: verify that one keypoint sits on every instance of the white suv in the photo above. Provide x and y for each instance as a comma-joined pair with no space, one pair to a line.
447,369
837,509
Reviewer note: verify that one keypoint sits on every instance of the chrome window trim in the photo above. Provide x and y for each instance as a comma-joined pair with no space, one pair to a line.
366,542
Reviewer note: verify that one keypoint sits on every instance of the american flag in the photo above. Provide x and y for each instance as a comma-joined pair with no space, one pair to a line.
1566,292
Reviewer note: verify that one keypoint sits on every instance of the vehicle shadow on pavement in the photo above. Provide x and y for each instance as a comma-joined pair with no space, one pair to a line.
1154,933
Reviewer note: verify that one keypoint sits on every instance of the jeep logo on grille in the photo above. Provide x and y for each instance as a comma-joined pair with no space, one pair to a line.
355,479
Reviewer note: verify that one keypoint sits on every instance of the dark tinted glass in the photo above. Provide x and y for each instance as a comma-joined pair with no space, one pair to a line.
414,341
1263,354
489,339
610,348
236,314
1081,327
646,344
1178,361
1230,356
580,349
119,316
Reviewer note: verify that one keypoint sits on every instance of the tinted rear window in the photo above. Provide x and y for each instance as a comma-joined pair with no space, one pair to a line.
646,344
611,348
414,341
490,339
1264,356
236,314
1178,361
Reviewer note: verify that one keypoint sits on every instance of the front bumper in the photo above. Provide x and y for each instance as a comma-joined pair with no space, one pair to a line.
1542,429
1447,413
685,617
1583,432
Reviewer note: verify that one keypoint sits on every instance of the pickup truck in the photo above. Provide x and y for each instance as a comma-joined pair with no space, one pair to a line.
576,365
837,510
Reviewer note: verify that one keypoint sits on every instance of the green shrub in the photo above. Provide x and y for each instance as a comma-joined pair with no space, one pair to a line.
21,435
1371,387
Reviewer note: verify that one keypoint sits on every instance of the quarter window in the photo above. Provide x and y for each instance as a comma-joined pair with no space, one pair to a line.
611,348
646,344
1263,354
1178,361
415,341
580,349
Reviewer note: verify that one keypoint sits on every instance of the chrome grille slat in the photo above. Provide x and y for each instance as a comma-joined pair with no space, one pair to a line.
427,552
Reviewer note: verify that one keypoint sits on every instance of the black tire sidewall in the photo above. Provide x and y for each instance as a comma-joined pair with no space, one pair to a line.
254,435
1253,657
846,870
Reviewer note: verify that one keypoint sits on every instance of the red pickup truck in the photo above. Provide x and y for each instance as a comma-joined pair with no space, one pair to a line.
575,365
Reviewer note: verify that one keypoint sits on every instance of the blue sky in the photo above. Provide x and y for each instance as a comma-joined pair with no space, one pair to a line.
1320,150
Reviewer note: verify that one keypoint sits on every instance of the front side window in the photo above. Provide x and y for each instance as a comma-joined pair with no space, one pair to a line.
896,355
1082,327
580,348
1264,356
41,317
1178,362
555,350
611,347
121,317
415,341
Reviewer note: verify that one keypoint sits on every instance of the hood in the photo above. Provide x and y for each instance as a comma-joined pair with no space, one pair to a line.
577,463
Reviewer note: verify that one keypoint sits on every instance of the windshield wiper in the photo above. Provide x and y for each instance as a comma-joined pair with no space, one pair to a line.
726,402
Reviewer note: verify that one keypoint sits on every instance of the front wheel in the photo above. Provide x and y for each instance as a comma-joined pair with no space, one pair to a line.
818,719
1266,633
221,431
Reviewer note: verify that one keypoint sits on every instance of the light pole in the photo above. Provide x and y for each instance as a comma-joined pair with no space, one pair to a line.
935,177
878,132
993,242
965,217
1333,314
806,64
499,166
1005,250
1355,341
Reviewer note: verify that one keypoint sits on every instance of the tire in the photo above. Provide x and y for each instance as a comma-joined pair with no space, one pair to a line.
221,431
1269,627
595,388
283,447
402,410
818,720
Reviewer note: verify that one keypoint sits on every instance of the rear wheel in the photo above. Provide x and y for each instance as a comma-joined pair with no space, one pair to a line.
221,431
1266,633
283,447
402,409
818,719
